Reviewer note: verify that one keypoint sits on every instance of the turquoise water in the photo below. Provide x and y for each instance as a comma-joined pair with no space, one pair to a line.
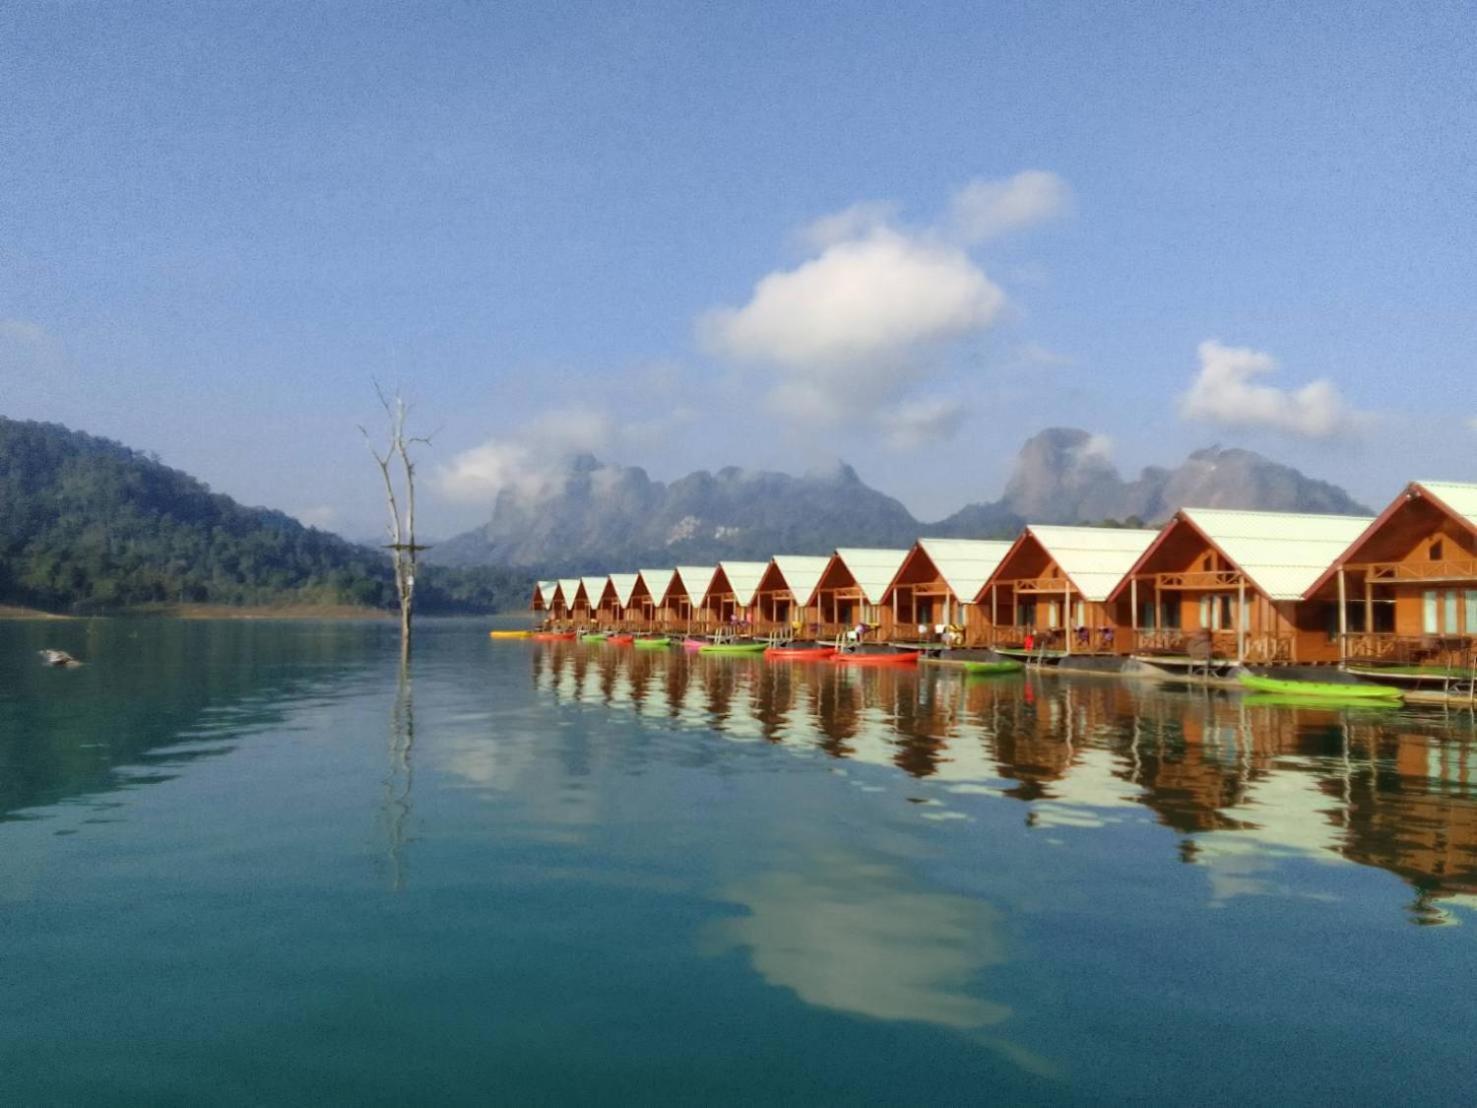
243,863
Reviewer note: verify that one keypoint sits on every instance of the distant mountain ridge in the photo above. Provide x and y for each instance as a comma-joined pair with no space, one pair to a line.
616,516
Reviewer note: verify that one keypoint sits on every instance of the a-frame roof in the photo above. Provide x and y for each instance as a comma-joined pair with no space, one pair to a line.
543,592
694,580
743,578
964,564
624,585
657,582
1094,559
1456,499
871,568
568,586
1280,553
800,573
594,589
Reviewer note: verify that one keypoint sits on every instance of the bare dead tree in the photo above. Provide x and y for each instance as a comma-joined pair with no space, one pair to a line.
403,548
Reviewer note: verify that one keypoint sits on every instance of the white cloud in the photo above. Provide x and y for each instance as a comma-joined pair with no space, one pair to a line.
1226,392
984,210
857,221
863,301
916,423
534,462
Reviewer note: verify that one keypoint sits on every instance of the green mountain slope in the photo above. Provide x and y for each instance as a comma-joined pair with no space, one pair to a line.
87,524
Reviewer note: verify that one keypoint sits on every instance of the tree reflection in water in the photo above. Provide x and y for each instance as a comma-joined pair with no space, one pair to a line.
399,779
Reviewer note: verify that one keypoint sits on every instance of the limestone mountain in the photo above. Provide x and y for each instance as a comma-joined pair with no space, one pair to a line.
607,516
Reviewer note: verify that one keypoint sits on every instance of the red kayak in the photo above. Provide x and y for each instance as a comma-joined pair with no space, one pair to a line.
900,658
621,640
553,636
800,653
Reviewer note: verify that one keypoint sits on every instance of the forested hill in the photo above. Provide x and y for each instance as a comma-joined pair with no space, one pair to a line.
87,524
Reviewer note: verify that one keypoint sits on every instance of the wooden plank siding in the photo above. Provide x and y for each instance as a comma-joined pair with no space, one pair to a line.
1409,585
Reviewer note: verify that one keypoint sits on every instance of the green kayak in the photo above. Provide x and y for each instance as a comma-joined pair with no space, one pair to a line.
734,648
1319,690
592,638
652,644
990,669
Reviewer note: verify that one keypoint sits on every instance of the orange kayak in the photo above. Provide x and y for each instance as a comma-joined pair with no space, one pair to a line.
898,658
800,653
621,640
553,636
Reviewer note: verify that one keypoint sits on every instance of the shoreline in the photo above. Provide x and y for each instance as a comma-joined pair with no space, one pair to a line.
343,612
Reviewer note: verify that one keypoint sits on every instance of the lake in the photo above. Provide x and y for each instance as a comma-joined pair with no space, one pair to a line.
245,863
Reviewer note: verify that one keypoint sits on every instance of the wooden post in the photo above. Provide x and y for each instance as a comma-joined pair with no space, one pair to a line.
1133,607
1241,621
994,612
1369,611
1067,629
1343,619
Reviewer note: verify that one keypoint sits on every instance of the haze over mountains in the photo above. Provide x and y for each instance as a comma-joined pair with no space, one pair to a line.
609,516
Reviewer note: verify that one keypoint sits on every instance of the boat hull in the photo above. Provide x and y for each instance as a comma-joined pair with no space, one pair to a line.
890,658
800,654
510,634
732,648
1317,690
652,644
553,636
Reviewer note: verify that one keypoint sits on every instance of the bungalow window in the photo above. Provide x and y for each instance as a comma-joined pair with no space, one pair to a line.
1435,551
1025,613
1218,612
1440,610
1471,613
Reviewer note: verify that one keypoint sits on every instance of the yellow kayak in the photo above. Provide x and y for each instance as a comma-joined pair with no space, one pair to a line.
510,634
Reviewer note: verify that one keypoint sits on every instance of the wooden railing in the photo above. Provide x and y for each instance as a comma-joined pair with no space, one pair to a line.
1262,648
1441,570
1384,648
1197,579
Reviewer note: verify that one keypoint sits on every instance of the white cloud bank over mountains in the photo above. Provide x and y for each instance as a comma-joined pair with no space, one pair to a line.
849,332
1226,392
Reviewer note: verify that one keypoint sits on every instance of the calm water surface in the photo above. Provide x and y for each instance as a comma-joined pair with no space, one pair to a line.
243,863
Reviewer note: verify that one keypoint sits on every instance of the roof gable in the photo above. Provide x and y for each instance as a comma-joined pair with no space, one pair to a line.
625,586
657,582
695,581
743,578
871,568
801,574
1280,553
965,564
1094,559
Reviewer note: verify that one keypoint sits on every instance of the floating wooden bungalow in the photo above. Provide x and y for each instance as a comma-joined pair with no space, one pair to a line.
851,589
652,597
730,594
619,594
588,598
1405,591
563,605
936,586
1055,583
784,600
543,595
1228,584
683,599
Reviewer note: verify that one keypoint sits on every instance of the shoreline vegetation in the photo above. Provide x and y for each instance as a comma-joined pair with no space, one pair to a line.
344,612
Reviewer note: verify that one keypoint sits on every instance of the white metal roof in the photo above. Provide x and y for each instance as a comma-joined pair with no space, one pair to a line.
594,589
743,579
658,581
568,586
695,580
802,574
872,569
1460,498
545,590
1094,559
625,585
1283,553
965,564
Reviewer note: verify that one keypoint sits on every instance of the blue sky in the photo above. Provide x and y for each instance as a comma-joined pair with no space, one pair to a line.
610,227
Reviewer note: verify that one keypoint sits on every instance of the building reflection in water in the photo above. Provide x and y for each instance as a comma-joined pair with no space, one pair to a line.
1243,784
